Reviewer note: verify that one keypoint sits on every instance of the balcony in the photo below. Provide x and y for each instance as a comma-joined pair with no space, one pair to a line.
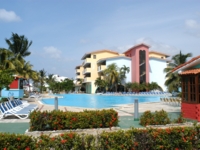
87,61
87,79
87,70
78,76
78,70
101,68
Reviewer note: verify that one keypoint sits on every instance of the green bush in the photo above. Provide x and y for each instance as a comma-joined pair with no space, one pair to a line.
59,120
176,138
157,118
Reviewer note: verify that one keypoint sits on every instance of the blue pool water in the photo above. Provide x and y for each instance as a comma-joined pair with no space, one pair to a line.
98,101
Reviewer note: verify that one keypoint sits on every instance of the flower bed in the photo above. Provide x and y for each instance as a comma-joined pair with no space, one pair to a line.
59,120
133,139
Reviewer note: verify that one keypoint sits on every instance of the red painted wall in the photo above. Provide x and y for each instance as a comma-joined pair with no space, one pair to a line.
191,111
14,84
134,54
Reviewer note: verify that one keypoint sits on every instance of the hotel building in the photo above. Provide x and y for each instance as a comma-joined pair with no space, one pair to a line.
145,66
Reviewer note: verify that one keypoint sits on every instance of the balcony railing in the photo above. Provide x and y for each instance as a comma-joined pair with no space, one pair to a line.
87,61
87,70
87,79
101,68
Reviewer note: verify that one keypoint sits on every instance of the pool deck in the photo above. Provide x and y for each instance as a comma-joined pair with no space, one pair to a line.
123,110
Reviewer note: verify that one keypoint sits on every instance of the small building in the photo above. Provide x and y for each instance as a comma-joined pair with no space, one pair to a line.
16,89
190,84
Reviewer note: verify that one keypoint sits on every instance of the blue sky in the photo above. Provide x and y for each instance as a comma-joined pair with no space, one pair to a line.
62,31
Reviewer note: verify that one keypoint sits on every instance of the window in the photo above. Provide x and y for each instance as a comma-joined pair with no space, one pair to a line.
142,61
94,56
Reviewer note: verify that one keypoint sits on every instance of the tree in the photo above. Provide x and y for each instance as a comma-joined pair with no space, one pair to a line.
111,75
27,72
135,86
154,86
67,85
42,78
172,79
6,79
19,45
7,60
123,71
129,85
98,82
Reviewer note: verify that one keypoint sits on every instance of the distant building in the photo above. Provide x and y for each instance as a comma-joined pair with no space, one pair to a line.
59,78
145,66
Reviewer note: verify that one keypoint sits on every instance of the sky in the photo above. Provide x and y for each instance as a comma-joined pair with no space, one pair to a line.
62,31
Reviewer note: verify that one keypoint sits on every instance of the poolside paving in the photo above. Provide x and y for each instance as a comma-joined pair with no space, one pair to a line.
125,112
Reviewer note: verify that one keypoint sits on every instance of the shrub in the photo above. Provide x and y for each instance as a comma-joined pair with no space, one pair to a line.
178,138
180,119
59,120
157,118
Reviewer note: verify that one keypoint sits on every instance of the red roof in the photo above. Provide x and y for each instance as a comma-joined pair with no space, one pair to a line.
182,65
191,71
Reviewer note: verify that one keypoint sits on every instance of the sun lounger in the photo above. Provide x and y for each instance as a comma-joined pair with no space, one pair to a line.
21,114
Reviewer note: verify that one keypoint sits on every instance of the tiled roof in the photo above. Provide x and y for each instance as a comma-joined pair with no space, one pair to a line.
136,46
103,59
155,52
99,51
191,71
152,57
182,65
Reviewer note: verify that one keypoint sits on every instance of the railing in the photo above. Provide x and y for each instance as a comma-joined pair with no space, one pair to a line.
87,60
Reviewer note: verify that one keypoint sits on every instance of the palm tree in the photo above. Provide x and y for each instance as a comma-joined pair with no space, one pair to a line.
154,86
111,75
27,72
173,79
19,45
123,71
42,78
135,86
6,59
98,82
128,85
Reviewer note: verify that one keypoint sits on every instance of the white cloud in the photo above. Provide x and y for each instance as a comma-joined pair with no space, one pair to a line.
192,24
193,27
158,46
8,16
122,49
52,52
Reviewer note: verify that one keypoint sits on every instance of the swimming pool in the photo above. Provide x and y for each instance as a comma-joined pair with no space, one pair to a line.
98,101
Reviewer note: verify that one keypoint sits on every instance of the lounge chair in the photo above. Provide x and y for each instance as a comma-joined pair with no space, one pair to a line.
21,114
26,105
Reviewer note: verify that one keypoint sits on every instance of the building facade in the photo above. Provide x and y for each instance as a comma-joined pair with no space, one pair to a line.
145,66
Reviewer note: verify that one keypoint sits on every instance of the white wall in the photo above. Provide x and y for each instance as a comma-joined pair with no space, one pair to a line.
120,62
156,73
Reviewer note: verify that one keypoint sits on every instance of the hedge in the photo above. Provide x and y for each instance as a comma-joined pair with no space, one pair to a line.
176,138
59,120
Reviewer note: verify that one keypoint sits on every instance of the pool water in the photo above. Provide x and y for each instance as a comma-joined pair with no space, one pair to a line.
98,101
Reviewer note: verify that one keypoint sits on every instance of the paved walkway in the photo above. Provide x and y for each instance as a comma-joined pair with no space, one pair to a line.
126,113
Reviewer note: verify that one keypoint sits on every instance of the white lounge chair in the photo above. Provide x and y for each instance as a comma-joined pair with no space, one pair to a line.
21,114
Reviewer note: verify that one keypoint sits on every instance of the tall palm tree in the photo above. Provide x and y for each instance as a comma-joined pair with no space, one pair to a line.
19,45
123,71
98,82
42,78
112,76
173,79
6,59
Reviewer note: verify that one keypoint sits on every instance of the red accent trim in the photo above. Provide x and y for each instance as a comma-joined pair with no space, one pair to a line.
191,111
14,84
